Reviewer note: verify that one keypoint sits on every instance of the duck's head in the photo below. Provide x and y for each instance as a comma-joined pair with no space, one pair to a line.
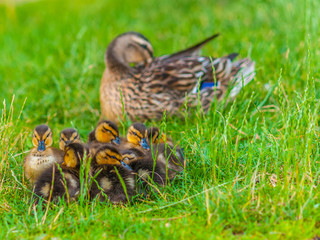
106,132
107,154
155,137
130,47
74,153
67,136
42,137
137,135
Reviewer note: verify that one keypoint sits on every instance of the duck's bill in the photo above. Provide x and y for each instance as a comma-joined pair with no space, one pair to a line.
126,165
41,146
144,144
116,141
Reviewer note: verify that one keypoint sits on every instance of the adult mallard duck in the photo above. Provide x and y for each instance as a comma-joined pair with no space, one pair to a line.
155,85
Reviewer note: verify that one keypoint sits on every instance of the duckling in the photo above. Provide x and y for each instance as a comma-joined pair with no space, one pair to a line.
168,162
147,171
136,138
172,158
68,135
42,156
105,132
107,170
64,183
168,82
154,138
167,154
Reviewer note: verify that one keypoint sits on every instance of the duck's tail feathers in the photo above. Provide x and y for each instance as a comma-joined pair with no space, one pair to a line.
244,75
192,51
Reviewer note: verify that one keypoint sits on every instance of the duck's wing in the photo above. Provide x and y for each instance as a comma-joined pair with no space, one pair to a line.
192,51
184,74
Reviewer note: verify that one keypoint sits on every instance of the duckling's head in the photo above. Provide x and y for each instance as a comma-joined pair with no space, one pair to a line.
67,136
107,154
153,136
74,153
42,137
130,47
137,135
131,154
106,132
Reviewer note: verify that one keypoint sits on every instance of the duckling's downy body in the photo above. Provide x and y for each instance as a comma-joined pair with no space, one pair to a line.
169,155
64,183
107,174
161,84
42,156
147,170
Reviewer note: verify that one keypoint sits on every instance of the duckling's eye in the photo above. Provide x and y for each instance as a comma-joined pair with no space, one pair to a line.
156,139
75,137
134,133
47,135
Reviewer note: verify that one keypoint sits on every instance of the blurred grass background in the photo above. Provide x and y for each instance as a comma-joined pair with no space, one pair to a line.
263,148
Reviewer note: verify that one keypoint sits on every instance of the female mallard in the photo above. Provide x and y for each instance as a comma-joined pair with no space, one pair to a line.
155,85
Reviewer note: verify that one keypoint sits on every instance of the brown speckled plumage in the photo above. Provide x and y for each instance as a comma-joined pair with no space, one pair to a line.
161,84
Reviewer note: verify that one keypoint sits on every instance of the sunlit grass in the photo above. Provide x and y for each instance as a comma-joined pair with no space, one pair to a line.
253,164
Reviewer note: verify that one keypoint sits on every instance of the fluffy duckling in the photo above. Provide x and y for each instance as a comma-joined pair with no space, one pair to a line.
170,157
105,132
147,170
107,170
167,154
136,138
154,137
67,136
62,183
42,156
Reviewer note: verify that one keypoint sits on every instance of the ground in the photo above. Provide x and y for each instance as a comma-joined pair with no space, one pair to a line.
253,164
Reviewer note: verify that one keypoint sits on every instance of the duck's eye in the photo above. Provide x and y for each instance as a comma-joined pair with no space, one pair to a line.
75,137
47,135
156,139
134,133
144,46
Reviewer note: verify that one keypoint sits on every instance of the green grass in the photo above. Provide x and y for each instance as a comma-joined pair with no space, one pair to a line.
253,168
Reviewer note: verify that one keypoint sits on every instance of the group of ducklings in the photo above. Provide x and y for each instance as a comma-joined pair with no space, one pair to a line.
118,167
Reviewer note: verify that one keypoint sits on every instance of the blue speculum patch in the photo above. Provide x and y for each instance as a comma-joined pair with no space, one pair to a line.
207,85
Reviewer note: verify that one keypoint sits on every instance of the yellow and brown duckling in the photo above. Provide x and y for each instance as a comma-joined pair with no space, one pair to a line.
43,155
136,138
67,136
105,132
168,154
161,84
172,158
64,183
107,171
154,136
145,168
